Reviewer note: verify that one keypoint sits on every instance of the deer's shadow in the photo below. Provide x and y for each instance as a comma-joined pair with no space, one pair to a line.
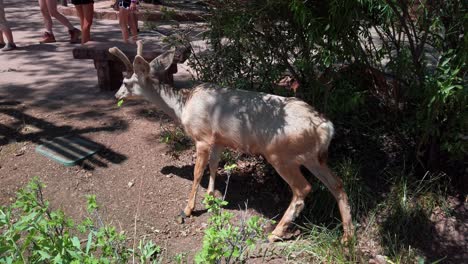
268,195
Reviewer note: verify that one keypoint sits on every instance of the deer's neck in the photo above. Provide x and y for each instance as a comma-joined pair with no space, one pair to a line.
169,100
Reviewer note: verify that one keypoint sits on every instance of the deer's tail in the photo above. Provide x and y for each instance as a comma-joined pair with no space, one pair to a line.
326,136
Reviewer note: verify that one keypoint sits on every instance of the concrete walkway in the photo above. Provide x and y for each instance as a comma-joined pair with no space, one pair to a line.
38,71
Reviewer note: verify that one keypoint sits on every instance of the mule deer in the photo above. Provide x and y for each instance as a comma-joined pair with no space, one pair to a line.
286,131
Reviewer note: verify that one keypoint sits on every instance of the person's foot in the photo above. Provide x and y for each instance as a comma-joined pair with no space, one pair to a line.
47,38
8,47
75,35
2,44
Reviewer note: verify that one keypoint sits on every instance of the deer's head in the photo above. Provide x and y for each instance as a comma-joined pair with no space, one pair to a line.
141,75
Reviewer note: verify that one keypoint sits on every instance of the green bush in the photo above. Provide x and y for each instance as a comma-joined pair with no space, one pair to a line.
32,233
225,242
176,140
443,117
373,61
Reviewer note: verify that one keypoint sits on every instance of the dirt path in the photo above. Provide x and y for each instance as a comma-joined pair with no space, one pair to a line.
45,93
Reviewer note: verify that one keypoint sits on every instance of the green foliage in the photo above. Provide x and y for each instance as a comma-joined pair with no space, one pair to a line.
148,252
180,258
444,114
229,157
322,245
176,139
32,233
225,242
230,167
370,60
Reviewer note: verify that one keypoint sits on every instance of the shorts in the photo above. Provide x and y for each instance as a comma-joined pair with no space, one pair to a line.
82,2
124,4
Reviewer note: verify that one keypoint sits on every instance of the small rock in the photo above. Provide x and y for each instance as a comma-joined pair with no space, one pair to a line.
179,219
130,184
169,176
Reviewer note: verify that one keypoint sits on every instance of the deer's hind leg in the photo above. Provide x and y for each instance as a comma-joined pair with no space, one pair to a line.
300,188
335,186
203,152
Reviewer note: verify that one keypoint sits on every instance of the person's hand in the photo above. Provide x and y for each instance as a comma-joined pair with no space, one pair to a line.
133,6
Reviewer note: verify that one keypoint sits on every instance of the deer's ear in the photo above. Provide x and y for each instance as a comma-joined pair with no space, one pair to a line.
140,66
163,62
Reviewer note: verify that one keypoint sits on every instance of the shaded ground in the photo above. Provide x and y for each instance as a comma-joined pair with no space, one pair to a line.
45,93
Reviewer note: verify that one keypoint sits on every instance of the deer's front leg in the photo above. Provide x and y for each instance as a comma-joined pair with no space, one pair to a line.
203,152
214,161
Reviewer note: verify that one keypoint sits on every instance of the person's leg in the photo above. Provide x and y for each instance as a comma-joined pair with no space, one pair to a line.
135,17
123,21
10,44
8,34
46,16
2,23
5,29
80,12
86,22
52,7
133,23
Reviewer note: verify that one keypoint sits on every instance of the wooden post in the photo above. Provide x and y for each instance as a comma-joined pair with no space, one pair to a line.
109,75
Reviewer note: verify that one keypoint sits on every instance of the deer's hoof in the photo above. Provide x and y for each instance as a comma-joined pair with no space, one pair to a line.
180,218
346,239
182,214
274,238
186,212
285,236
347,236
